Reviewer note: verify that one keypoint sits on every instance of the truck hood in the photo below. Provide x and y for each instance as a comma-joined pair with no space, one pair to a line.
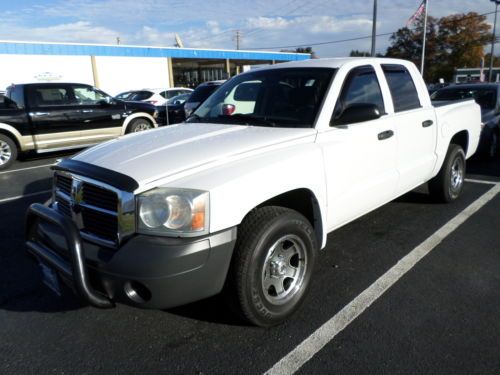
177,150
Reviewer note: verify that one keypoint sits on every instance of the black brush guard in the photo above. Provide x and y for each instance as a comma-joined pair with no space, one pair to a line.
76,271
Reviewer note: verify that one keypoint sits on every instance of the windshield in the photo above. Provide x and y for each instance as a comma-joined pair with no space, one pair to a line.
486,98
277,97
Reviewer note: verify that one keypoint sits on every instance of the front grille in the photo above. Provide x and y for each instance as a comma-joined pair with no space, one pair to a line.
92,207
63,183
101,224
99,197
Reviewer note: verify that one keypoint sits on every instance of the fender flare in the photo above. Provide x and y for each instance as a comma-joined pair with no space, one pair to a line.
20,140
137,115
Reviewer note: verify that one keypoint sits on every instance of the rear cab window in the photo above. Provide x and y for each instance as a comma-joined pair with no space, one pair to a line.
49,96
403,90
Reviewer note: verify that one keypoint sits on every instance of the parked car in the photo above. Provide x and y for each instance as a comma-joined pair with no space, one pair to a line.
124,95
175,108
154,96
488,98
46,117
242,196
199,95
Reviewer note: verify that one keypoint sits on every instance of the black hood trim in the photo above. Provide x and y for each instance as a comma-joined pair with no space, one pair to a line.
108,176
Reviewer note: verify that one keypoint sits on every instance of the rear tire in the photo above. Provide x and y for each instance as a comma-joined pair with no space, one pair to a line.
447,185
139,124
8,151
271,266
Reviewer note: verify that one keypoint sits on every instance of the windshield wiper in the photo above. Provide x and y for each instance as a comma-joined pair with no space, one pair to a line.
249,119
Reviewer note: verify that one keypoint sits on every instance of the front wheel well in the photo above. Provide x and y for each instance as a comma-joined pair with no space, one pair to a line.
303,201
11,136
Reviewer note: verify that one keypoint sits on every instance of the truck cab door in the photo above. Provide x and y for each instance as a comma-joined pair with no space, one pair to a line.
416,128
101,114
360,157
54,116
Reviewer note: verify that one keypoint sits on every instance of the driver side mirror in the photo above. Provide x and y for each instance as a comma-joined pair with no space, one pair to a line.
358,112
108,100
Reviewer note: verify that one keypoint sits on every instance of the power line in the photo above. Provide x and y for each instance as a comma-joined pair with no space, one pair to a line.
354,39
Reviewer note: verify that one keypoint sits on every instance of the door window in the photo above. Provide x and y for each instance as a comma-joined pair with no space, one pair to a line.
88,96
361,87
403,91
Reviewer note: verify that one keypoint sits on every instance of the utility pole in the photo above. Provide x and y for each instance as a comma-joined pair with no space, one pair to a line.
237,38
493,40
374,27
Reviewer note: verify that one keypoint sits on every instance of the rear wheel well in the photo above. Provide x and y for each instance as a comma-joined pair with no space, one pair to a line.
304,202
461,139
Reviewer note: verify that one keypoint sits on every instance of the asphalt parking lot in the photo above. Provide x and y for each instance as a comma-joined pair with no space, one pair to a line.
411,288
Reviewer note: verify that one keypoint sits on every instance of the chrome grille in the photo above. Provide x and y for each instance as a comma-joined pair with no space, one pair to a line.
102,213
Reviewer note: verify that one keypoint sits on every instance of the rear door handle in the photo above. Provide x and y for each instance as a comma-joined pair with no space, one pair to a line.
39,113
427,123
385,135
87,110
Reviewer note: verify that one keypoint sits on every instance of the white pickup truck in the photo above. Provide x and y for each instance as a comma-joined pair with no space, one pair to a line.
241,197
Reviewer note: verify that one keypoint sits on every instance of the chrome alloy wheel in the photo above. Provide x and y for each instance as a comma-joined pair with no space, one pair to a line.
140,127
284,269
5,152
457,175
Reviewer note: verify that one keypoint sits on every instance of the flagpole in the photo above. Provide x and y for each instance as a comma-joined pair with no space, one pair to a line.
374,27
426,5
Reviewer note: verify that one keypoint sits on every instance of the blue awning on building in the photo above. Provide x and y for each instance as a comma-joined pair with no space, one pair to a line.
31,48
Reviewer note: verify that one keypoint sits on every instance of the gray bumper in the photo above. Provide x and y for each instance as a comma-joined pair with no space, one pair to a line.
146,271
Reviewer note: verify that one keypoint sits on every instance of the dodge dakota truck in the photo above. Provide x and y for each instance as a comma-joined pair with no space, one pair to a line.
44,117
241,197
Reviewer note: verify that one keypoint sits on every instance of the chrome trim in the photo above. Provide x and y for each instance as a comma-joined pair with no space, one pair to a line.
125,210
45,150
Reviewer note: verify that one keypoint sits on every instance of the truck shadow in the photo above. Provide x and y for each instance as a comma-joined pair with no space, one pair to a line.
211,310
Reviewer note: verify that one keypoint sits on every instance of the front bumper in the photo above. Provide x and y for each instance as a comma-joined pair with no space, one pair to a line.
146,271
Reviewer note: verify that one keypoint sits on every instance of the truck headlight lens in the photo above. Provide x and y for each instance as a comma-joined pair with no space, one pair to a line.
175,212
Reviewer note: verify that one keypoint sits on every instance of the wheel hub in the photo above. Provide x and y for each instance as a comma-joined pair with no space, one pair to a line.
278,267
284,269
5,152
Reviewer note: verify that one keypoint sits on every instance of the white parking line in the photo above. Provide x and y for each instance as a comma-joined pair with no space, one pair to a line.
480,181
27,168
294,360
24,196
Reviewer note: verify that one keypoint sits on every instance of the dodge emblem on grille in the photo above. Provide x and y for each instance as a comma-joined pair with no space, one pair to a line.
76,200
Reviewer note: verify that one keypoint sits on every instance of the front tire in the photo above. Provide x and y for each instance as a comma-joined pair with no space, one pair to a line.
272,265
8,151
447,185
139,125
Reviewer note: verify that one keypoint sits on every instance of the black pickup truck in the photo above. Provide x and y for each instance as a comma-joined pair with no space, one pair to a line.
45,117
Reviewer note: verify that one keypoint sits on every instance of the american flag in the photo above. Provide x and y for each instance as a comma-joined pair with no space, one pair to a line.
417,14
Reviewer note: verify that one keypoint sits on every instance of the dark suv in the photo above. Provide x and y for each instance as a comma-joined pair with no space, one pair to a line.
199,95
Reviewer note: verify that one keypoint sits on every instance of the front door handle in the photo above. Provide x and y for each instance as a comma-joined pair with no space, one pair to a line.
427,123
385,135
39,113
87,110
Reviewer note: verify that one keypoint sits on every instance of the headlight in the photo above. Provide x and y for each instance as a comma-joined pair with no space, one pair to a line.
174,212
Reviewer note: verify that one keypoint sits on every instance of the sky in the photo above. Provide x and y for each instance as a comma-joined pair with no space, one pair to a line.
280,24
